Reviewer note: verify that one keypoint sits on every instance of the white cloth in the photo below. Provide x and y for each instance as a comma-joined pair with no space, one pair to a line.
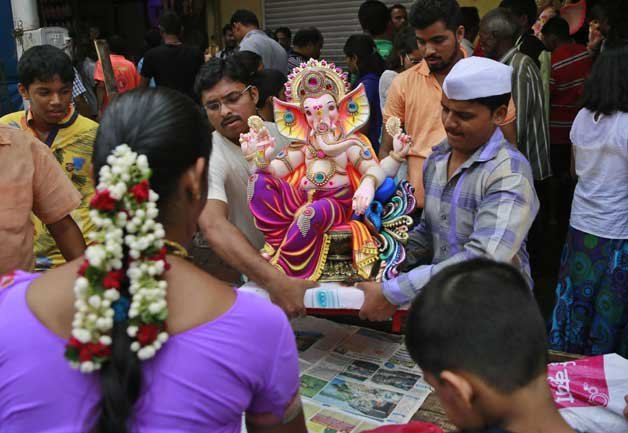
229,174
477,77
600,201
384,84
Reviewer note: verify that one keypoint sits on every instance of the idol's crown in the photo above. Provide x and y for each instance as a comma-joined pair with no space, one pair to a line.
315,78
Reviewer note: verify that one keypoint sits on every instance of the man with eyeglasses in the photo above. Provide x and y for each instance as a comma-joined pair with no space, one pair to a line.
227,224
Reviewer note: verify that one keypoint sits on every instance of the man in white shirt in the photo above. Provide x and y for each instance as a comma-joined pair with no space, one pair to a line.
246,30
229,100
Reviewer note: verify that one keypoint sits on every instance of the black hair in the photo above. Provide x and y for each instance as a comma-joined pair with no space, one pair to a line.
606,89
42,63
424,13
369,60
556,26
522,7
493,102
285,30
152,37
170,23
171,130
269,82
82,48
117,45
617,31
246,17
471,22
374,17
250,61
480,317
309,35
397,6
227,28
599,11
403,44
271,34
216,69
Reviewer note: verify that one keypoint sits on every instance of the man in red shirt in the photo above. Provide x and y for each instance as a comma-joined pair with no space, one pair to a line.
127,77
571,65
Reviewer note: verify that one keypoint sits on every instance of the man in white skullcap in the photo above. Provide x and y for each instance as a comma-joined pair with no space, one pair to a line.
479,191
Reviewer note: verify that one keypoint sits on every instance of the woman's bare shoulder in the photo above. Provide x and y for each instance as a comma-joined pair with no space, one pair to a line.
194,297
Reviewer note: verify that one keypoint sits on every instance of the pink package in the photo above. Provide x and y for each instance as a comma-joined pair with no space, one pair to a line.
589,392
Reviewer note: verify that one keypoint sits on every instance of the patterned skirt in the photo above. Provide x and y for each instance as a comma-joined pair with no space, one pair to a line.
591,312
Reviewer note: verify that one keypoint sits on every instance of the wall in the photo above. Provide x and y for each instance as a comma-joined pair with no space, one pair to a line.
228,7
131,24
483,5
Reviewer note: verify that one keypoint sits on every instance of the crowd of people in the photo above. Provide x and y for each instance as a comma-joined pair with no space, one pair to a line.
515,126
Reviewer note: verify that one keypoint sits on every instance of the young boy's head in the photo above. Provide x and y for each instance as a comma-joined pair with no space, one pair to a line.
476,332
46,75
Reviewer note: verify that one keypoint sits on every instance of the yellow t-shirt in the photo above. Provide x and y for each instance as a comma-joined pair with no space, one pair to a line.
72,144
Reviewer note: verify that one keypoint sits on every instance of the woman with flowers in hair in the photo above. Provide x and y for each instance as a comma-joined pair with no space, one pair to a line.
133,337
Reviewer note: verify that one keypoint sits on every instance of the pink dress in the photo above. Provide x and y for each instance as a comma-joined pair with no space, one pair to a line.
202,380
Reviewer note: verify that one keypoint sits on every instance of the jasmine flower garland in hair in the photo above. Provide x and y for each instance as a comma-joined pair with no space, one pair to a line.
124,211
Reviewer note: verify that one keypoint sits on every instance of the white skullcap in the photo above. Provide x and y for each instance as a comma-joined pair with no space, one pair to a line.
477,77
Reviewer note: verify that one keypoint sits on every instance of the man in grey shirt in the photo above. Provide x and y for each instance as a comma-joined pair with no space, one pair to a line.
246,30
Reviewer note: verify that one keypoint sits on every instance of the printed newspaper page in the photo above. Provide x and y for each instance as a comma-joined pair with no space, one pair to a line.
355,379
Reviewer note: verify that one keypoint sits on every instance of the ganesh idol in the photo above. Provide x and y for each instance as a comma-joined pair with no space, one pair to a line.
327,192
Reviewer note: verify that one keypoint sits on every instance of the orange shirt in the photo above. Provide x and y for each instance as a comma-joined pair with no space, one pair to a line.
415,98
31,180
127,77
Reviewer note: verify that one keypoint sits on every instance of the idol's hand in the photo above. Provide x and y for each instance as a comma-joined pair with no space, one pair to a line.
363,196
258,147
401,144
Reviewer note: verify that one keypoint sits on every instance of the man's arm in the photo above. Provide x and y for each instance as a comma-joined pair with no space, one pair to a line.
234,248
501,224
68,237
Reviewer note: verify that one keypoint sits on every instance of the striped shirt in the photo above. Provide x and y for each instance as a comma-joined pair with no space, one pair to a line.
485,209
532,127
571,65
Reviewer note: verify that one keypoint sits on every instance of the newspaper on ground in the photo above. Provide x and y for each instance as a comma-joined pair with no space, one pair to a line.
355,379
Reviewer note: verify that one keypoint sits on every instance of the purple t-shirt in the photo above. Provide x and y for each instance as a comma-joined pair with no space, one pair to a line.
202,380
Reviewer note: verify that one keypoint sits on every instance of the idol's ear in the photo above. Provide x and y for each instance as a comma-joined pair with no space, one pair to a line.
290,120
354,110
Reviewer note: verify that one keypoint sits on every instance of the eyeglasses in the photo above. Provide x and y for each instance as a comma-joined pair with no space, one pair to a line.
231,99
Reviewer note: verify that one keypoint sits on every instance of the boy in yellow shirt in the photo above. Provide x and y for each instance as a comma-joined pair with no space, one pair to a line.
46,77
